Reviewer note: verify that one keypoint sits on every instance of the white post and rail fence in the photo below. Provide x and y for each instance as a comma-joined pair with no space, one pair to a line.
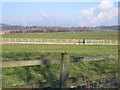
56,41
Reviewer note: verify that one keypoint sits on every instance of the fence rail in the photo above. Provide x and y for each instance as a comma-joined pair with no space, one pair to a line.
47,61
56,41
65,64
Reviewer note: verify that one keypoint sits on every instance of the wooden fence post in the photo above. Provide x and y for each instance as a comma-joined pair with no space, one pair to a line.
64,70
116,42
41,40
73,41
85,41
47,40
92,42
34,40
98,41
110,42
15,39
9,40
67,40
28,40
60,41
21,39
54,40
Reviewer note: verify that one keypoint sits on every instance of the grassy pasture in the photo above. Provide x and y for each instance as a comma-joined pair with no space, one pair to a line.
44,73
34,51
105,35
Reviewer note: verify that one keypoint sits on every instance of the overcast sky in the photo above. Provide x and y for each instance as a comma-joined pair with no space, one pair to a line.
103,12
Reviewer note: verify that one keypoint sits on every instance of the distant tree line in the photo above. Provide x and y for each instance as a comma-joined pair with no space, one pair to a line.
113,27
37,29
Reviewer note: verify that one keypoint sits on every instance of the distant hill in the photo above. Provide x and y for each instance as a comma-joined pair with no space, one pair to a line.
113,27
10,27
45,28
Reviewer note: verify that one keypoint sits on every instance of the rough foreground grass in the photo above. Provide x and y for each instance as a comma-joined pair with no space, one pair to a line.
19,52
24,76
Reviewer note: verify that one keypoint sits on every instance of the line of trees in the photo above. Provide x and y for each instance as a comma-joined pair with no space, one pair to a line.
37,29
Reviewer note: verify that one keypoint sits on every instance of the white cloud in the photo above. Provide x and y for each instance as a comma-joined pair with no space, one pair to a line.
103,14
106,5
89,12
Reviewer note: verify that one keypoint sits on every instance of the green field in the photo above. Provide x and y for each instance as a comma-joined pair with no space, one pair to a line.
105,35
43,73
18,52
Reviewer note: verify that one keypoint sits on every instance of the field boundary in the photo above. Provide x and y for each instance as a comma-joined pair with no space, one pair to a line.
57,41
